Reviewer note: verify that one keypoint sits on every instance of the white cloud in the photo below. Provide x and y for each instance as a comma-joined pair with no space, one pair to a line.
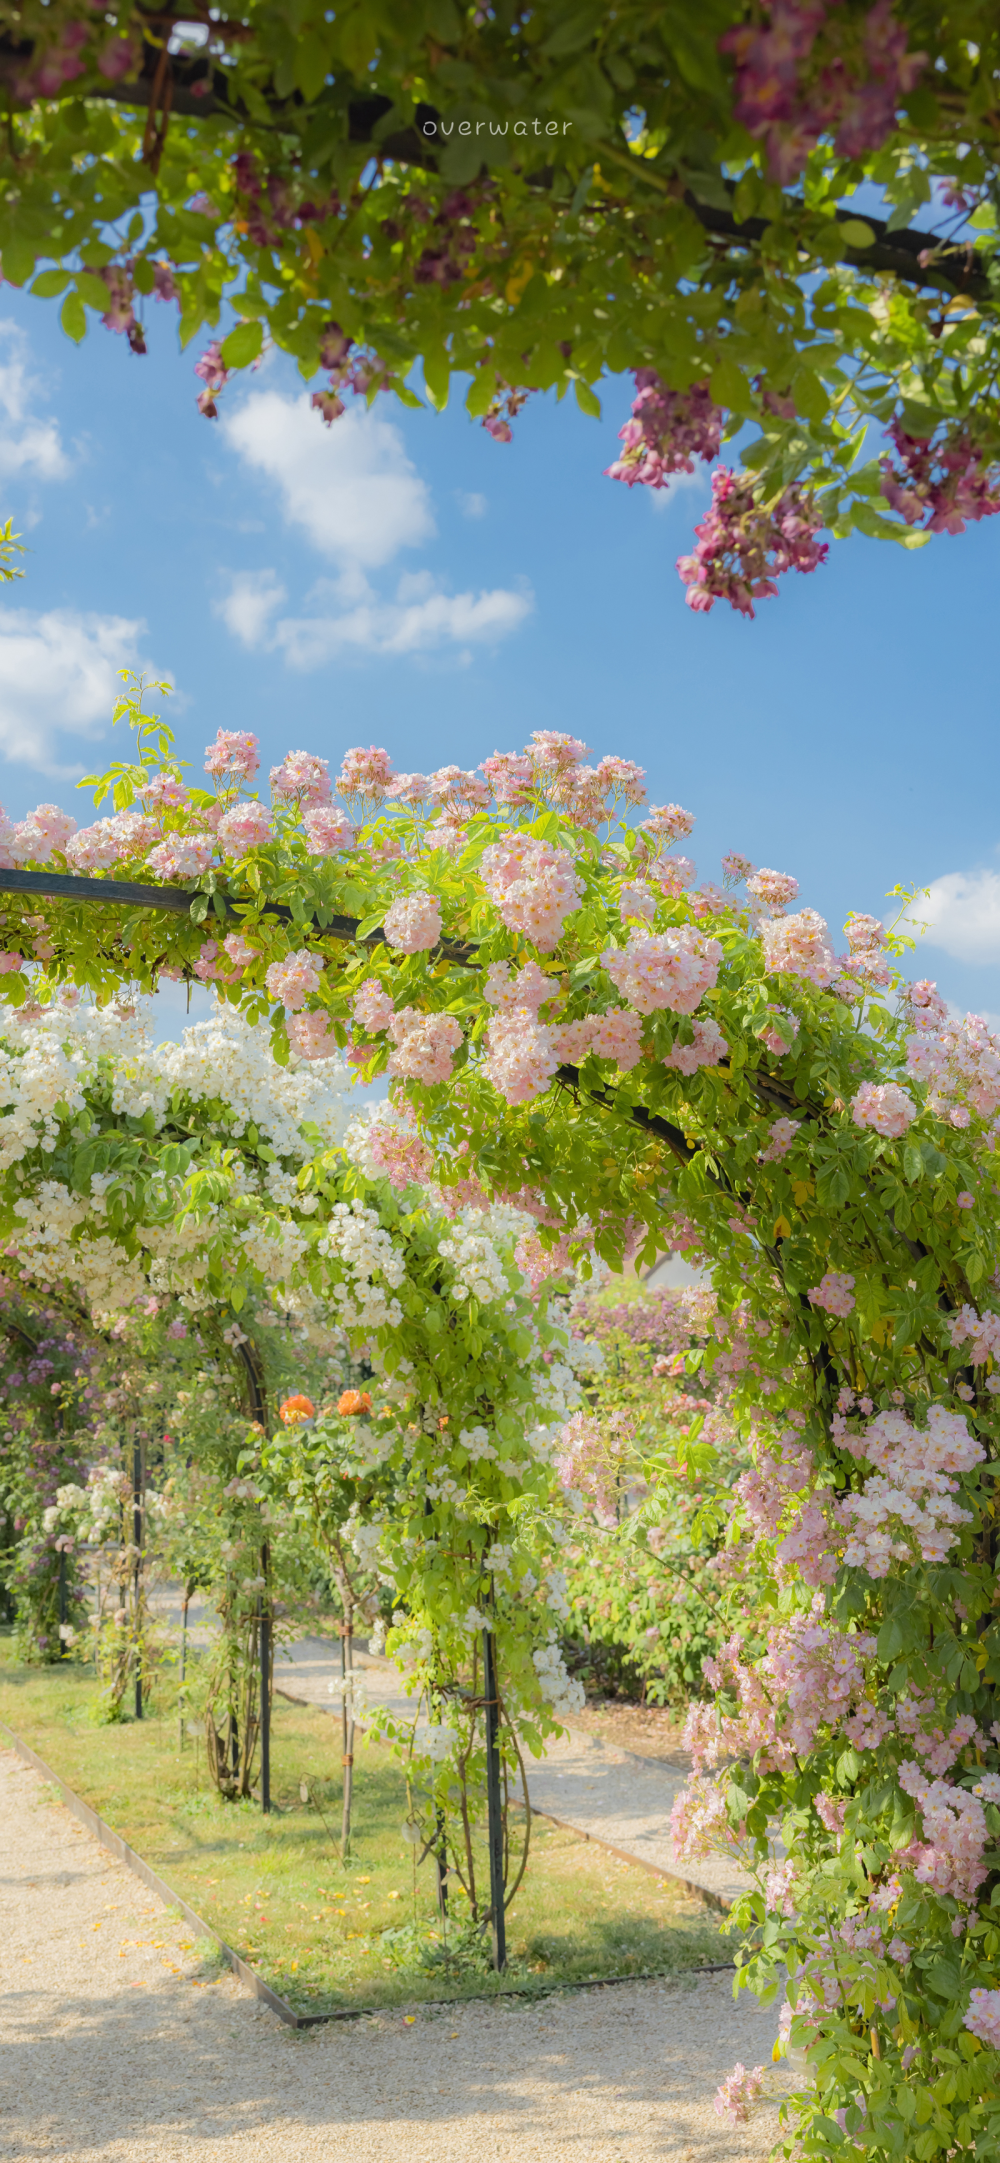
421,619
27,444
351,487
961,913
58,676
247,608
471,505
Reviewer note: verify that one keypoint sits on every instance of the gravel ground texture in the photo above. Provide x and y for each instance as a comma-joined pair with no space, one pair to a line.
116,2046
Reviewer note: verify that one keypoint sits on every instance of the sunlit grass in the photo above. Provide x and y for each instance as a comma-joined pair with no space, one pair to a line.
325,1935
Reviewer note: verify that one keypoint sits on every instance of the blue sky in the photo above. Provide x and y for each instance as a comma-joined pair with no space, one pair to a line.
402,579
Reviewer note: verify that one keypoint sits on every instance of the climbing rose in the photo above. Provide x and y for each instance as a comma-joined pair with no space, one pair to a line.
799,946
425,1044
301,779
413,924
885,1107
182,856
311,1036
328,830
835,1292
294,978
246,826
533,886
671,969
521,1055
373,1006
774,888
983,2017
365,774
708,1047
234,753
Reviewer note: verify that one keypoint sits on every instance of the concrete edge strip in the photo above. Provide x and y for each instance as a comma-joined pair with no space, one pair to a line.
125,1854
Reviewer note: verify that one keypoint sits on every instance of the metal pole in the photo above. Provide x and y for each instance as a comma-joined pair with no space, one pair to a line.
441,1865
137,1543
347,1665
62,1601
494,1803
181,1693
265,1697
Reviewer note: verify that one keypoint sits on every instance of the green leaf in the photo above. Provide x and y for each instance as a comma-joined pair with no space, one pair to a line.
481,393
891,1639
242,345
728,386
19,259
93,290
73,317
312,64
49,283
856,234
437,377
913,1163
586,400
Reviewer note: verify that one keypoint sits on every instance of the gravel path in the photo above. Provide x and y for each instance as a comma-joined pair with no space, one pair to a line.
114,2048
610,1794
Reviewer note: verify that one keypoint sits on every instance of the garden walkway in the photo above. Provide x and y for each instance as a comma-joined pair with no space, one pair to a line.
611,1795
116,2050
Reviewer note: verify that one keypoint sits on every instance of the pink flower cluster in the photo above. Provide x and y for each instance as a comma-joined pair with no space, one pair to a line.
182,856
538,1263
293,979
789,95
533,886
938,1750
983,2017
743,548
521,1057
773,888
699,1822
764,1490
413,923
111,841
365,775
310,1035
667,823
615,1035
589,1457
673,875
940,485
233,756
246,826
736,868
637,899
399,1152
983,1330
669,969
667,432
425,1045
373,1006
301,779
780,1031
212,370
738,2091
33,841
708,1047
327,830
834,1293
884,1107
799,946
960,1061
954,1823
783,1133
910,1497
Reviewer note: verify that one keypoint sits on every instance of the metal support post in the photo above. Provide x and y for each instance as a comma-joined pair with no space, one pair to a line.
494,1802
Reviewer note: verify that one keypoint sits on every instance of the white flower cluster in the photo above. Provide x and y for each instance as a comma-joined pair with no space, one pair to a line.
354,1238
479,1270
557,1687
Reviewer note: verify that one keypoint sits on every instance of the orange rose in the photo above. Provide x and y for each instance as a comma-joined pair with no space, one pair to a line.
354,1401
296,1409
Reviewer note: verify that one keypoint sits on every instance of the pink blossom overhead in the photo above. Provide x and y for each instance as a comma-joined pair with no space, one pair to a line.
301,779
425,1045
310,1035
835,1293
803,71
774,888
528,987
742,548
328,831
246,826
215,375
667,823
294,979
398,1151
884,1107
943,484
669,970
799,946
909,1498
45,830
960,1062
708,1047
365,775
736,868
783,1133
668,430
182,856
233,756
412,789
521,1055
511,778
533,886
373,1006
673,875
413,924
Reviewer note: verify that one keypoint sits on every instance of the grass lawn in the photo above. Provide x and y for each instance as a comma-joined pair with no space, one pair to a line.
327,1936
